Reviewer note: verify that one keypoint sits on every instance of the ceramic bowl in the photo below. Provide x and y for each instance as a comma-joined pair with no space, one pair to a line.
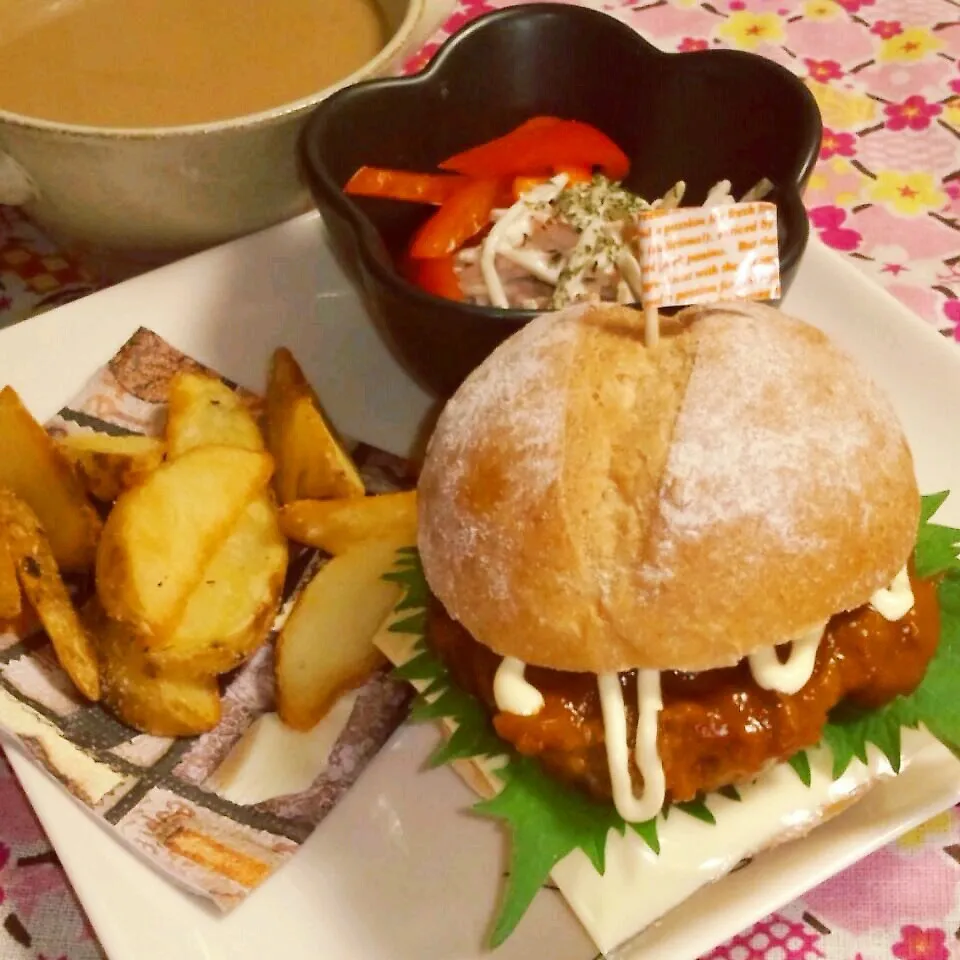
125,200
701,117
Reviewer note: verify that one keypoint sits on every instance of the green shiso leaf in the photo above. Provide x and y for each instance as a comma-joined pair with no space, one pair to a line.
850,731
936,702
937,699
801,765
697,809
937,545
547,820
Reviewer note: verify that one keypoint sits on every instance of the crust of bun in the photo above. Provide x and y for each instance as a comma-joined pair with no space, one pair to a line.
588,504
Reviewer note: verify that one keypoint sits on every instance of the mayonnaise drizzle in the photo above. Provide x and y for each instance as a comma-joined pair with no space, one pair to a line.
510,231
896,601
632,808
789,677
535,262
892,603
512,692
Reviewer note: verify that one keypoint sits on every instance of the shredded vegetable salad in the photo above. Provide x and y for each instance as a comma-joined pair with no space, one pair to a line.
536,219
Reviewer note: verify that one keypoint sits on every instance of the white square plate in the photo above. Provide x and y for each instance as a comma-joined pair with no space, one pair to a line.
399,870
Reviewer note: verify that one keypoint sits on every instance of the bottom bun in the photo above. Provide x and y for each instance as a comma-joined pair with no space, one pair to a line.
620,910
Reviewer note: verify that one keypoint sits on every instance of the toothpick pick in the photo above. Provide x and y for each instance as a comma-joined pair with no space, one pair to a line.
651,326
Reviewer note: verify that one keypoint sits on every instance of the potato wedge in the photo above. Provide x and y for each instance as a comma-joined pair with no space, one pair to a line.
40,580
311,461
337,525
230,613
33,467
108,465
326,646
202,411
161,535
154,702
10,601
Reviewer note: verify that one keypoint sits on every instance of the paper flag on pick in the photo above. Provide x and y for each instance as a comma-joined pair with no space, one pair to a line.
700,255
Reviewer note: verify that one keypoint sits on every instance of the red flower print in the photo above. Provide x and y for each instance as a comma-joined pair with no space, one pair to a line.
852,6
836,144
918,944
886,28
829,223
737,5
688,44
823,71
419,60
914,113
951,310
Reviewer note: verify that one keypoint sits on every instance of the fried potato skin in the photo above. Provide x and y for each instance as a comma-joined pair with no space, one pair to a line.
154,702
33,467
43,587
229,615
326,645
311,461
335,526
107,465
161,535
204,411
11,602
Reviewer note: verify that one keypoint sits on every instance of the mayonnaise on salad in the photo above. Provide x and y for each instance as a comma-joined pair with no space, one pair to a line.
563,242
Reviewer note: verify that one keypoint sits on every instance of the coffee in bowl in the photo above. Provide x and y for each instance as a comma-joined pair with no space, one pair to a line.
161,63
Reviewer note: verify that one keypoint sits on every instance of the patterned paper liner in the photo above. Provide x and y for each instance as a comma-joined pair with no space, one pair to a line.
152,790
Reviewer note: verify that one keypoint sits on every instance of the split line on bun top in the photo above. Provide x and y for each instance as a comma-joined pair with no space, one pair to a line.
696,531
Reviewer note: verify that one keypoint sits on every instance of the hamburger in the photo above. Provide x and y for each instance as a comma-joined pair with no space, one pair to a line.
663,574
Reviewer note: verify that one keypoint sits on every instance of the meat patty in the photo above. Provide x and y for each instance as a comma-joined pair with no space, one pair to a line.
717,727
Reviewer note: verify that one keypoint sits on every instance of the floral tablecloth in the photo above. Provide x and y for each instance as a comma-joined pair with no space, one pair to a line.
886,192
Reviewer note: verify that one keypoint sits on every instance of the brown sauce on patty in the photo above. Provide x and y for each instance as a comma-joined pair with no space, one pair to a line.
717,727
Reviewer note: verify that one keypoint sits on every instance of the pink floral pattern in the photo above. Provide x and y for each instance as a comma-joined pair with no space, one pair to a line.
40,918
828,222
777,936
914,114
837,144
918,944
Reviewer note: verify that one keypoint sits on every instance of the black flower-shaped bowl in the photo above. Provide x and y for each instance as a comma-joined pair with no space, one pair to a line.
700,117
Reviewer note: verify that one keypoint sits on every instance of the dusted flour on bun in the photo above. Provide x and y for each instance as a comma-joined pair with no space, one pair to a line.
589,504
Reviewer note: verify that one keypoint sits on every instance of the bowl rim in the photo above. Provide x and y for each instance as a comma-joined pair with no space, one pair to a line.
368,238
414,14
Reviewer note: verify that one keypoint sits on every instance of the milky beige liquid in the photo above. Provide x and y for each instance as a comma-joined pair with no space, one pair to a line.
149,63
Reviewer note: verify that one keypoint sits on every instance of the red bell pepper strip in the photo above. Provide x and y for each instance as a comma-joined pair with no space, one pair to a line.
574,175
542,146
475,159
403,185
437,276
461,217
